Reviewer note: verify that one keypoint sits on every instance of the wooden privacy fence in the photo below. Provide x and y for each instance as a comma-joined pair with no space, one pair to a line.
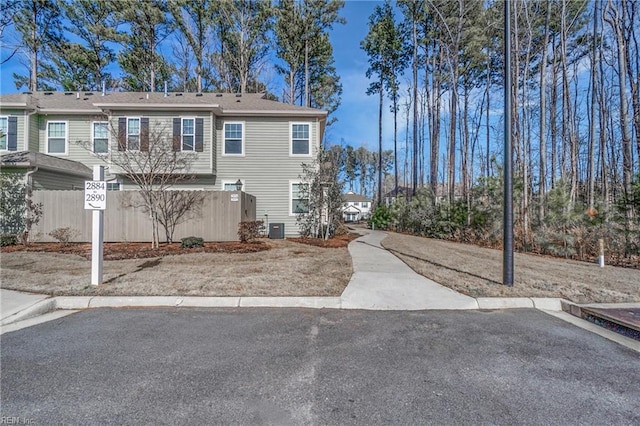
215,219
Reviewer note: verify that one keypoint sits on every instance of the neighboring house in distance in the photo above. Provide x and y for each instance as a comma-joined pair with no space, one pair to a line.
405,191
398,192
356,207
233,137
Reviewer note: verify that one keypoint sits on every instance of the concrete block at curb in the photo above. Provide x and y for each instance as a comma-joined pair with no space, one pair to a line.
291,302
136,301
207,302
164,301
72,302
40,308
547,303
504,302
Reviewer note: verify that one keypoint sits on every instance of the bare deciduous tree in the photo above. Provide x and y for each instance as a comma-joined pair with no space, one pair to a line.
157,165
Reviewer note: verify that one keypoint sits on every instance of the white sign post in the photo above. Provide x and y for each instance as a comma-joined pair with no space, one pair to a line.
95,198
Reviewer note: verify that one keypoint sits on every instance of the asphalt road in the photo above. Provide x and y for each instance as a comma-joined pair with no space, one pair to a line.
324,367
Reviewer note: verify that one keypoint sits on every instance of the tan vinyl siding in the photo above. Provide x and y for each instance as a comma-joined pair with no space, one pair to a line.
199,182
44,179
78,137
266,167
163,122
34,134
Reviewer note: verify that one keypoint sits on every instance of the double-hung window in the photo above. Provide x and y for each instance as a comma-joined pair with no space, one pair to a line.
188,134
4,130
133,134
57,137
299,198
100,135
300,141
233,139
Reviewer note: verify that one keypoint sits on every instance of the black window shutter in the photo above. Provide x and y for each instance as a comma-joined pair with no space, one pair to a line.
122,134
144,134
177,124
12,134
199,135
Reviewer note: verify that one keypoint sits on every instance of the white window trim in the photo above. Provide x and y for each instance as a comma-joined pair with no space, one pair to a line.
6,136
119,182
224,138
291,154
233,182
93,136
66,138
182,134
291,183
139,133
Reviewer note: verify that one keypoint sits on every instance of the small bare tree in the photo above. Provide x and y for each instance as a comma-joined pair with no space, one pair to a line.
153,159
322,194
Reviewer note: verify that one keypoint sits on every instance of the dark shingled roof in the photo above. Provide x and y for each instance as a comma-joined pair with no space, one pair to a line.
94,102
356,198
44,161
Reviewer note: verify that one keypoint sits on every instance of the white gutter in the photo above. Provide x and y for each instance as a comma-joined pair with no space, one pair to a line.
142,105
69,111
273,113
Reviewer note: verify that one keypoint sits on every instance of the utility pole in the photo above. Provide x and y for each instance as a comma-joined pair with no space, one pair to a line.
507,261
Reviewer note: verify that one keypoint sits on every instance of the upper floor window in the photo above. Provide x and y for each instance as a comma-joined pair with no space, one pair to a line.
356,204
233,139
365,205
100,135
4,130
133,134
188,134
300,141
57,137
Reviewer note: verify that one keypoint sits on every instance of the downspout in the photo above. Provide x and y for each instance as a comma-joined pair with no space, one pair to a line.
27,200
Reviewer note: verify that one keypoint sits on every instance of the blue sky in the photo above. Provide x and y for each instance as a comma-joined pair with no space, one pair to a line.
357,114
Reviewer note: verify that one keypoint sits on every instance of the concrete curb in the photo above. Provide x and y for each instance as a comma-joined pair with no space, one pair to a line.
92,302
39,308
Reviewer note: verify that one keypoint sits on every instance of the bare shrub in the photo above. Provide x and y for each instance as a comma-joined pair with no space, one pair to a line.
249,231
64,235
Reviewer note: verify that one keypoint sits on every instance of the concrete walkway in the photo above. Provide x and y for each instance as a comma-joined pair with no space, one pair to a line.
382,281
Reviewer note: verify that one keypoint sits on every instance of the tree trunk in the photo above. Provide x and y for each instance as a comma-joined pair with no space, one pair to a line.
543,118
380,141
617,19
592,114
414,183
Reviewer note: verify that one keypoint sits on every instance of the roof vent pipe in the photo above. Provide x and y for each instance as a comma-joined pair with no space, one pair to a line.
104,87
77,95
165,89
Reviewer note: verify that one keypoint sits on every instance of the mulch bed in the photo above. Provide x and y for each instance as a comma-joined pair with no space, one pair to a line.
119,251
339,241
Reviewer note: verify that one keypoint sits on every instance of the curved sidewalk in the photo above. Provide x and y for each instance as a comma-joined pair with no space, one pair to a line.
382,281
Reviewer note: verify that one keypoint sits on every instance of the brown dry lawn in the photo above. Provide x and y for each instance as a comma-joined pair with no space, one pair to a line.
477,272
287,268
